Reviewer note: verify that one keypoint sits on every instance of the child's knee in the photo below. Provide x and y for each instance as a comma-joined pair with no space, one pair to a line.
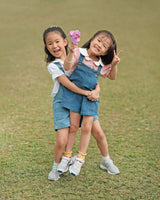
61,143
99,135
74,128
86,128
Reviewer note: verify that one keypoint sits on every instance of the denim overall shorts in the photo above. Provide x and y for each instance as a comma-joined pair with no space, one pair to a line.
86,78
60,114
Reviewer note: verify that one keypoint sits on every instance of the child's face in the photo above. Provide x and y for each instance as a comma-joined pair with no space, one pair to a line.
100,44
55,44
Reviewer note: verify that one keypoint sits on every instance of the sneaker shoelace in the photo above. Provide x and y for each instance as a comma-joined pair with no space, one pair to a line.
54,168
78,164
65,161
107,162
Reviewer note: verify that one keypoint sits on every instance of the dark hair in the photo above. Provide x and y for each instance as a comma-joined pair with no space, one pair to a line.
49,57
107,59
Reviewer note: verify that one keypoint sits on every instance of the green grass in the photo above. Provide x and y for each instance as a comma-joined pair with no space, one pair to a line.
129,109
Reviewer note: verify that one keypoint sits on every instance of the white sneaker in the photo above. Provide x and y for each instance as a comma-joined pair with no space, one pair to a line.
109,166
76,167
64,164
73,159
53,174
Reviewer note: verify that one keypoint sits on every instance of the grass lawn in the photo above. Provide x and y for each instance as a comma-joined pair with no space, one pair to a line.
129,108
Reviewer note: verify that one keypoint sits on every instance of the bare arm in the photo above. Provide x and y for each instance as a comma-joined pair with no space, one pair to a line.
94,94
68,61
115,61
113,74
71,86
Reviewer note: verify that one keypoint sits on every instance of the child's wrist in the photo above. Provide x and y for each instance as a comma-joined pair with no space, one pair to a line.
71,51
87,92
68,61
113,65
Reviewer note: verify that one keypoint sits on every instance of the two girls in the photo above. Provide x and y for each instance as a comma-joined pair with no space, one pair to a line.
56,50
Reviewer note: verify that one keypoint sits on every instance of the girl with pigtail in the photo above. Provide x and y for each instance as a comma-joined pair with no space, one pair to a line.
96,58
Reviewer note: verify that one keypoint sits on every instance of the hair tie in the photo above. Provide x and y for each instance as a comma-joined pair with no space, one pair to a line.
53,26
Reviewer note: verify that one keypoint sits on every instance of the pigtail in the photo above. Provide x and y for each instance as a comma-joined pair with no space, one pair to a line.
87,44
107,59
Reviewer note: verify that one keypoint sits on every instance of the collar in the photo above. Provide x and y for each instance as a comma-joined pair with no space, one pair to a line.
84,52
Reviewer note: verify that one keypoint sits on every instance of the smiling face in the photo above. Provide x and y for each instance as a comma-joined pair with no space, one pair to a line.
100,45
55,44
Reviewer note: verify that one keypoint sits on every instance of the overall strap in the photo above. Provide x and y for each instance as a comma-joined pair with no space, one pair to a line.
81,57
99,71
59,66
99,68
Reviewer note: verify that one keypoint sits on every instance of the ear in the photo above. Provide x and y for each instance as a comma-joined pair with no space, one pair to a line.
65,42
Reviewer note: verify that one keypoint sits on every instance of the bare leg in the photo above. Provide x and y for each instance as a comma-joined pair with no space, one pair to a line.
74,126
106,163
61,141
85,133
84,142
100,137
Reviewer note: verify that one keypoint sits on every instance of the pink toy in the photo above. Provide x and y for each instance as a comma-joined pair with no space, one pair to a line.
75,35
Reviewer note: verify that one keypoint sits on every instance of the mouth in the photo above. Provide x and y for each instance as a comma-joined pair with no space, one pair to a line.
97,48
56,51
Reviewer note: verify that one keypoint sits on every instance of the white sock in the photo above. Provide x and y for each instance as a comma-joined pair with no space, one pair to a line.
55,164
105,157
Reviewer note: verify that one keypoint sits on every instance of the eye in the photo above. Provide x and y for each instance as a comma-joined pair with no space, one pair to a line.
105,46
49,43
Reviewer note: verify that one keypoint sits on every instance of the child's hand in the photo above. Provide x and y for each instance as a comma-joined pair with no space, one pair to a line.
116,59
93,95
72,46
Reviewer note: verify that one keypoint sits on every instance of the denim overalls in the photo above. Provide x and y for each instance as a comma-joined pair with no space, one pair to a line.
61,114
86,78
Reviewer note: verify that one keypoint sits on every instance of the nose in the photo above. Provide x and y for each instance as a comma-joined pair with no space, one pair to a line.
54,45
100,45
